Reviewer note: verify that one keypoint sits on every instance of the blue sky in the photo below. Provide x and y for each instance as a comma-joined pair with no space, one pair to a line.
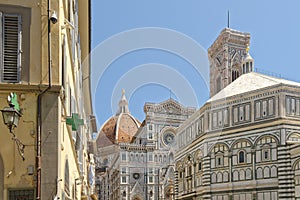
150,71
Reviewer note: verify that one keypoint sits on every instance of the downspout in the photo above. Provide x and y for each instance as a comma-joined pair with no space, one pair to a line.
39,110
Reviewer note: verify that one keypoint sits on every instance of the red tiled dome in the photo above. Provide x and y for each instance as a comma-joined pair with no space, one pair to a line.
119,128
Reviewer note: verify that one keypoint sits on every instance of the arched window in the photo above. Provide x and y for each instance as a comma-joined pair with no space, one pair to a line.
242,157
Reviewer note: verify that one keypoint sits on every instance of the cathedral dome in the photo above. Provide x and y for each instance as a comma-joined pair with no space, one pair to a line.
119,128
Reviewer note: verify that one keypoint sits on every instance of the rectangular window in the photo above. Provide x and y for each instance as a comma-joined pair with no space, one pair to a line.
214,120
241,113
150,157
247,112
124,156
150,136
264,109
123,179
225,117
235,115
298,107
219,161
293,106
10,49
271,106
123,171
266,154
257,109
197,127
199,166
150,180
288,106
220,118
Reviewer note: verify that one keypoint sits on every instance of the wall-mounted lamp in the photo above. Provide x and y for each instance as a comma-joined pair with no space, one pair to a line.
11,116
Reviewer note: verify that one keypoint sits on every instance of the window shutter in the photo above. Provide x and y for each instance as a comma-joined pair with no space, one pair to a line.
11,55
1,42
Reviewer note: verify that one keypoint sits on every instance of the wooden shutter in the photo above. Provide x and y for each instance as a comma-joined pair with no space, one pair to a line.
11,49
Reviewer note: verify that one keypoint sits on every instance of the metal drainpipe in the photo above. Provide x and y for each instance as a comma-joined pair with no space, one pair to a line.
39,109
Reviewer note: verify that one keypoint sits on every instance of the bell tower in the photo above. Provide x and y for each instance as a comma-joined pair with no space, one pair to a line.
226,56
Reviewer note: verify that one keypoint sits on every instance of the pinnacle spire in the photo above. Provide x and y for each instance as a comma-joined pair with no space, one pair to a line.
123,104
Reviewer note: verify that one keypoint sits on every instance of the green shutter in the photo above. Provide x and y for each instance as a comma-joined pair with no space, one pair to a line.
11,50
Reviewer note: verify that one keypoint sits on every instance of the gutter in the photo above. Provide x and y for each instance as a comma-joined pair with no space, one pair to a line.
39,110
